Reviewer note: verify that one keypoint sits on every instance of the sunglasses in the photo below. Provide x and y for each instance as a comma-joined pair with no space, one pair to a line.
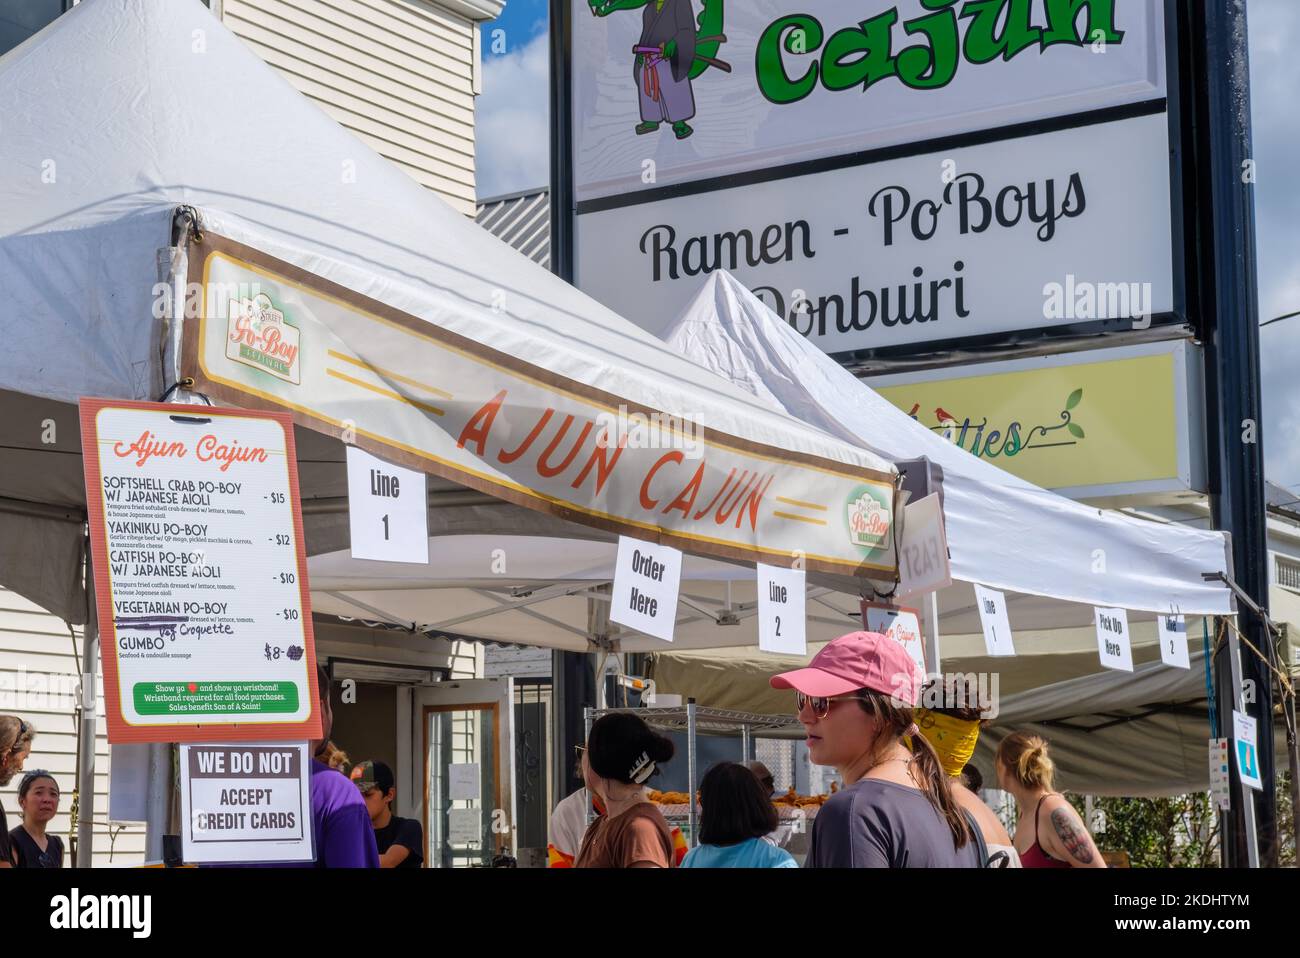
821,706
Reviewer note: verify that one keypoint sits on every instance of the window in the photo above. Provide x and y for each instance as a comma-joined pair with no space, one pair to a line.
19,19
1288,573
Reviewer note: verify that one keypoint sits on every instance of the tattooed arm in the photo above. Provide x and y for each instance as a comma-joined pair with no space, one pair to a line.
1069,840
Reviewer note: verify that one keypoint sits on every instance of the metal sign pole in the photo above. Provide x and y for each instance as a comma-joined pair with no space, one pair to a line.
1242,803
692,772
562,212
1228,299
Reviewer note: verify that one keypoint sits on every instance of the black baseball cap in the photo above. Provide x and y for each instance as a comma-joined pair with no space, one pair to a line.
370,774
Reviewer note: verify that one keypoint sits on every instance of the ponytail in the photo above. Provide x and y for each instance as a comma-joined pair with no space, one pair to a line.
1025,759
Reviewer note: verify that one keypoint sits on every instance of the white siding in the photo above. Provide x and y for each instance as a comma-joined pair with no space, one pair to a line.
397,73
38,678
466,660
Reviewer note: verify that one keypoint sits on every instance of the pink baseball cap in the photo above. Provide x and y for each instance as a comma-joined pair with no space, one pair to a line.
859,660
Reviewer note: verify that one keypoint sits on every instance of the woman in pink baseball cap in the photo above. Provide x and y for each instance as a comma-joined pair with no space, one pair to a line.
855,700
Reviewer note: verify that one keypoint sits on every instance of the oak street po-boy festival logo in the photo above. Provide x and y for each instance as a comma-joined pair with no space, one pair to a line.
259,336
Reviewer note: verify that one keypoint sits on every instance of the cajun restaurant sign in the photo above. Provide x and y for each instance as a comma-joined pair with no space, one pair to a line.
884,174
680,90
273,336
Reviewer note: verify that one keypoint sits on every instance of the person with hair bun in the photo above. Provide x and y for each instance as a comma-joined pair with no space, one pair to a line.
1025,769
954,729
621,756
856,701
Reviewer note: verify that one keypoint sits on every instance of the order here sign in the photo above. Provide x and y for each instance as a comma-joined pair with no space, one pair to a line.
200,573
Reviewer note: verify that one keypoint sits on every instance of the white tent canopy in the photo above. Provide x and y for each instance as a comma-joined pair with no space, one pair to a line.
166,109
1002,532
1039,547
97,160
1110,733
1113,733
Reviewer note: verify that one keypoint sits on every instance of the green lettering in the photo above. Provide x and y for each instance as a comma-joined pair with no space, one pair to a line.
983,43
932,64
862,55
1063,20
872,39
799,34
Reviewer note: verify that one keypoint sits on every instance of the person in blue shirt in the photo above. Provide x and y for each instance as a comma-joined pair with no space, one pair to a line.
735,815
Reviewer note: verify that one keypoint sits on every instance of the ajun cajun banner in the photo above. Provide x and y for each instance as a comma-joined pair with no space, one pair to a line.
273,336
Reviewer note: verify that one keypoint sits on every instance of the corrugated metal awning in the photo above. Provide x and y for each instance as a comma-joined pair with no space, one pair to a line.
521,219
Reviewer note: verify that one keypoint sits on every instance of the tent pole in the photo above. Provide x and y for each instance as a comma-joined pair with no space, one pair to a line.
157,800
86,739
172,263
598,640
930,617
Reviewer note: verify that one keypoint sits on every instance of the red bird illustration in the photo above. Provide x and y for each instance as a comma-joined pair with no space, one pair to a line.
912,412
943,415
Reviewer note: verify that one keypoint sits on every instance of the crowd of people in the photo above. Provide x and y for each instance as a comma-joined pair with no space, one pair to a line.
909,798
353,824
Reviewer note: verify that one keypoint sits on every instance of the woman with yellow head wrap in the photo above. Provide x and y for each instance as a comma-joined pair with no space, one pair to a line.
953,738
954,732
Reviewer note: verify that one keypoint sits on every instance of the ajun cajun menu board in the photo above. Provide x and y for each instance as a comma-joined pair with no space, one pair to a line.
200,573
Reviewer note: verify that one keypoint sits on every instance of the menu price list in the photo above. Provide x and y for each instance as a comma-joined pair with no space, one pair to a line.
203,566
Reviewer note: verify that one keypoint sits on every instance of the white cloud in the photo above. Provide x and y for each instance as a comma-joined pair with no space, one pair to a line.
511,120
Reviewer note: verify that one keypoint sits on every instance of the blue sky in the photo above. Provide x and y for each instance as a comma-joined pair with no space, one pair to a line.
522,20
511,125
513,144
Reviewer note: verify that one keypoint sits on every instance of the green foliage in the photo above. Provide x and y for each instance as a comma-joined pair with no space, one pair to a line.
1285,821
1178,832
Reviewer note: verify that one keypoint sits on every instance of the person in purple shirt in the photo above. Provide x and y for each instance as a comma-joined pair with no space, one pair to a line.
340,822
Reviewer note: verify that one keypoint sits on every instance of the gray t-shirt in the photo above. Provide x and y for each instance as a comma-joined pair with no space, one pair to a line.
878,824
